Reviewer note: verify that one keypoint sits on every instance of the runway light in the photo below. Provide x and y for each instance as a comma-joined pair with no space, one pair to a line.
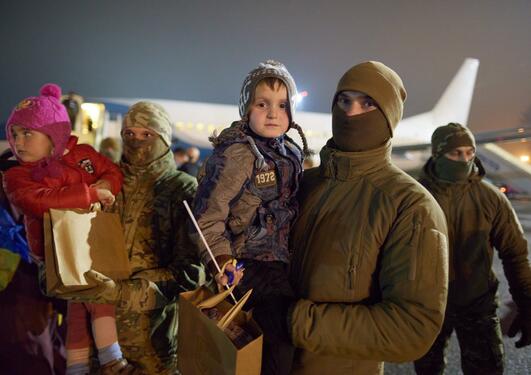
524,158
299,96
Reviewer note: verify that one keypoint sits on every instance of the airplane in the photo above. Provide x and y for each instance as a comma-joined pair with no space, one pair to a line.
195,122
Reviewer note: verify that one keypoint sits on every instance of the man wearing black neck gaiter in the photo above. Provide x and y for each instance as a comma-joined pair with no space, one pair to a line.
370,245
480,218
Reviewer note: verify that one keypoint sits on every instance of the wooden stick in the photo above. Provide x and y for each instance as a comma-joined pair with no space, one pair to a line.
205,243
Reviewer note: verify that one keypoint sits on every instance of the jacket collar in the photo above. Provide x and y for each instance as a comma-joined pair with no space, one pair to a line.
344,166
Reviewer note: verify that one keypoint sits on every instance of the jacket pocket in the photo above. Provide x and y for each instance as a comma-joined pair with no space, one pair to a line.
431,257
415,249
262,226
354,259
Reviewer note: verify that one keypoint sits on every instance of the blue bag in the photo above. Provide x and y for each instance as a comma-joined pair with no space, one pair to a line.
11,236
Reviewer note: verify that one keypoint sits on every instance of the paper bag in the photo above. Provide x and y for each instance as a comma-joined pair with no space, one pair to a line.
204,349
76,241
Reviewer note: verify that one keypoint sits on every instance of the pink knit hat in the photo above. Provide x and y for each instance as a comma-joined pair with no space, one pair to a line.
45,114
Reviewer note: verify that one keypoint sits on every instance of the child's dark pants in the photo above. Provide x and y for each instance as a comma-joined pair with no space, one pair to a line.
271,295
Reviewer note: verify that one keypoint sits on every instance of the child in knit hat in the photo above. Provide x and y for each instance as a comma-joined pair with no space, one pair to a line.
245,203
56,172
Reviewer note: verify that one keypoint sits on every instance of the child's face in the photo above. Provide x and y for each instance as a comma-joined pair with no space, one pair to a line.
31,145
268,116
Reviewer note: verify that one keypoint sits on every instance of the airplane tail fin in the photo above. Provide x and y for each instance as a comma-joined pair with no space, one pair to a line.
454,104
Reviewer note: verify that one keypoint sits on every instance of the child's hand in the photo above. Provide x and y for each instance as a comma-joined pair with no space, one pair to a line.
101,184
105,196
222,279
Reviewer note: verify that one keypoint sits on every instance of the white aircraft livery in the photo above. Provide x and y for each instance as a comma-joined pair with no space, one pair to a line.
195,122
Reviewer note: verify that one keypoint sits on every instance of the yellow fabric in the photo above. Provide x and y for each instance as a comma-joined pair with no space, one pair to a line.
8,265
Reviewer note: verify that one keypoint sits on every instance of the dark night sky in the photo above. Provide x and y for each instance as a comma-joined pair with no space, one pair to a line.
200,50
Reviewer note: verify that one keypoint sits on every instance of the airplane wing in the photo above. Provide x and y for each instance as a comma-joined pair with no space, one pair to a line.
497,136
195,122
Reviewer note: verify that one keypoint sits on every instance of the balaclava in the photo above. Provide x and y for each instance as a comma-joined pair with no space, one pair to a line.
444,139
270,69
371,129
150,116
43,113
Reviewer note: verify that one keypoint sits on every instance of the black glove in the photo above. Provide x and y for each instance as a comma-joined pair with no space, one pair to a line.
521,323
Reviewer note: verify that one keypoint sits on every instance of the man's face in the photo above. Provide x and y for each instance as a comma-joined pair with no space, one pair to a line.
269,115
355,103
138,133
463,153
142,145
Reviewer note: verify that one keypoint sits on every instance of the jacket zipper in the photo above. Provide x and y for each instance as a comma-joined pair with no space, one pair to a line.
414,252
312,224
351,275
354,261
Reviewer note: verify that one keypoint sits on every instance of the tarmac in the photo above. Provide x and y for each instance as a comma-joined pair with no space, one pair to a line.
517,361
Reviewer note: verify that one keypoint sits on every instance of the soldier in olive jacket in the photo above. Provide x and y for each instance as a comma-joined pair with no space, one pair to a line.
479,218
370,261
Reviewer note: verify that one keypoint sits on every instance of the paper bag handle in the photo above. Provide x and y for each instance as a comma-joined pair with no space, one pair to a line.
233,311
95,207
215,299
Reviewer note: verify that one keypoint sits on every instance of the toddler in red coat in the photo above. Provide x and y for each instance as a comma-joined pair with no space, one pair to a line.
56,172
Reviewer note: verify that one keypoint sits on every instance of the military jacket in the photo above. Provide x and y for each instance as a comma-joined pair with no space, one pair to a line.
480,218
370,265
163,259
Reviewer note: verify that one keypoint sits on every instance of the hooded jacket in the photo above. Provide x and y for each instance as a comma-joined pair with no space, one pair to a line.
246,200
480,218
70,188
370,265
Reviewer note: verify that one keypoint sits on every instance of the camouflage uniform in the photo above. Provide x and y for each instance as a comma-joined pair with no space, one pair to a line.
479,336
482,220
163,260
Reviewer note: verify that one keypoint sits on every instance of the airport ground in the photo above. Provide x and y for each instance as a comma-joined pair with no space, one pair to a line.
517,361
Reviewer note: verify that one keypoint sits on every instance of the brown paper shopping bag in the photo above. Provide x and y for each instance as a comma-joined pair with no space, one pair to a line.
204,348
77,241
